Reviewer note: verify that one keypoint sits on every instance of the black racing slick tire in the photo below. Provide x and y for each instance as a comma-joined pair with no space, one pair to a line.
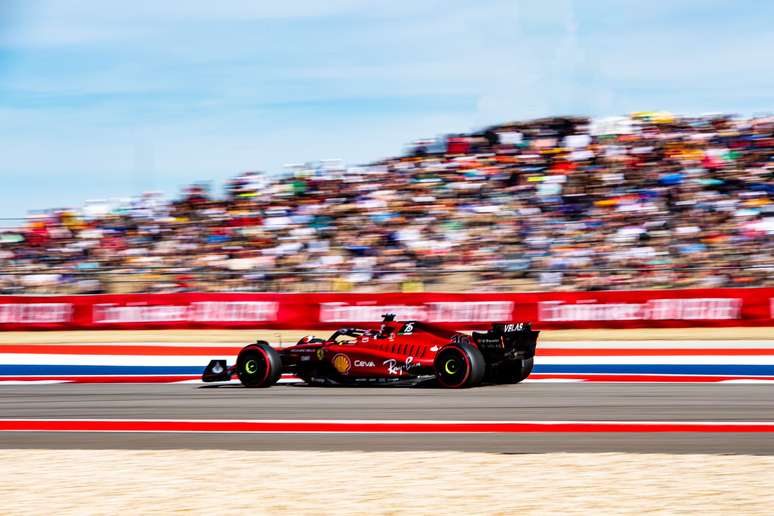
514,371
259,365
458,366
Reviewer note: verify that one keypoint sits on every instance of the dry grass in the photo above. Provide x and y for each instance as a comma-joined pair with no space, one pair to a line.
209,482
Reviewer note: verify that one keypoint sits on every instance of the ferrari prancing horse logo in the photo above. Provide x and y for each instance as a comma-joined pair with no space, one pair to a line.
342,363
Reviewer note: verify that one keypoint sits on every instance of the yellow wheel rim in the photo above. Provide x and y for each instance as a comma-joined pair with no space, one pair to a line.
251,367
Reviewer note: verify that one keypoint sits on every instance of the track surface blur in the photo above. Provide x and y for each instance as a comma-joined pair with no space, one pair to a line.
577,401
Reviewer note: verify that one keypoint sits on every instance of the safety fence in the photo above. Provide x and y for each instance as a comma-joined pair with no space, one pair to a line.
547,310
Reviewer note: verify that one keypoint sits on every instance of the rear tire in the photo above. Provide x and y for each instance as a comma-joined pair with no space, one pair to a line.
514,371
259,365
459,366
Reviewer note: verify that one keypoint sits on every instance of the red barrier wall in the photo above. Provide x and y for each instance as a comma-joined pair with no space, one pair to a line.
608,309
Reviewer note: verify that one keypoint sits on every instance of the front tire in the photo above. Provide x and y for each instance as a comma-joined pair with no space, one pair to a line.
259,365
459,366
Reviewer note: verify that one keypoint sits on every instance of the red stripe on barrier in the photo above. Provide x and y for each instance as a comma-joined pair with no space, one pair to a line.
723,307
58,425
151,350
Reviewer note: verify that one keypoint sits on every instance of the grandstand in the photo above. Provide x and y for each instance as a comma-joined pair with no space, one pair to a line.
646,201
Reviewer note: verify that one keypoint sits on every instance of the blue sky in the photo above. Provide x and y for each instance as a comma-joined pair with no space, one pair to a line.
106,99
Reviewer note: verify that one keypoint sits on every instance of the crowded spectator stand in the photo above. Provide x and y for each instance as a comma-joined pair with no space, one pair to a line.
646,201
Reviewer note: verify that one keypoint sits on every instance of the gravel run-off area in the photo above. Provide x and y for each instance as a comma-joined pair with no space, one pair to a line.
216,481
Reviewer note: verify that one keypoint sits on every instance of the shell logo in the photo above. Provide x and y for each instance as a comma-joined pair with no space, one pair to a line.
342,363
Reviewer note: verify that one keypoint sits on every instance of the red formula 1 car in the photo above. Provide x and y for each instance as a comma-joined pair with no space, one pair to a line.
407,352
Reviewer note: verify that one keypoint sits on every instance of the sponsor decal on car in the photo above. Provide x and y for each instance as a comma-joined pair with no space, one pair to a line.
320,353
460,339
397,369
342,363
364,363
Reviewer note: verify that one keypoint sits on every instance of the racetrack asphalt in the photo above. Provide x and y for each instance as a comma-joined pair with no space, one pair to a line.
524,402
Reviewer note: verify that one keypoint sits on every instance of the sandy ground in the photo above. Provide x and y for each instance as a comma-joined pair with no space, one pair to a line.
207,482
211,337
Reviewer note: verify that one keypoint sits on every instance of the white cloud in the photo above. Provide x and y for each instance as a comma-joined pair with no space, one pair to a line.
219,87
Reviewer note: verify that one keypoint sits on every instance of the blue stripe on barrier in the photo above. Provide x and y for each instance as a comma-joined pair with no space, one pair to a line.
68,370
698,369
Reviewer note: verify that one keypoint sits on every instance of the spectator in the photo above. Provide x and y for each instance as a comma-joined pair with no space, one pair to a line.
647,201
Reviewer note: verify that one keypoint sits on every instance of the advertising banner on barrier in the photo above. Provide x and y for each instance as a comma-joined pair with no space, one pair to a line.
605,309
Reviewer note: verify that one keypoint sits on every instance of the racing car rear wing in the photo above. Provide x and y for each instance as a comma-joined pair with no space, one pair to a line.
508,341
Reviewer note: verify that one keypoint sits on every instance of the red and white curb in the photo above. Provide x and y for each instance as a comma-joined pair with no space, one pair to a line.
375,426
561,362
